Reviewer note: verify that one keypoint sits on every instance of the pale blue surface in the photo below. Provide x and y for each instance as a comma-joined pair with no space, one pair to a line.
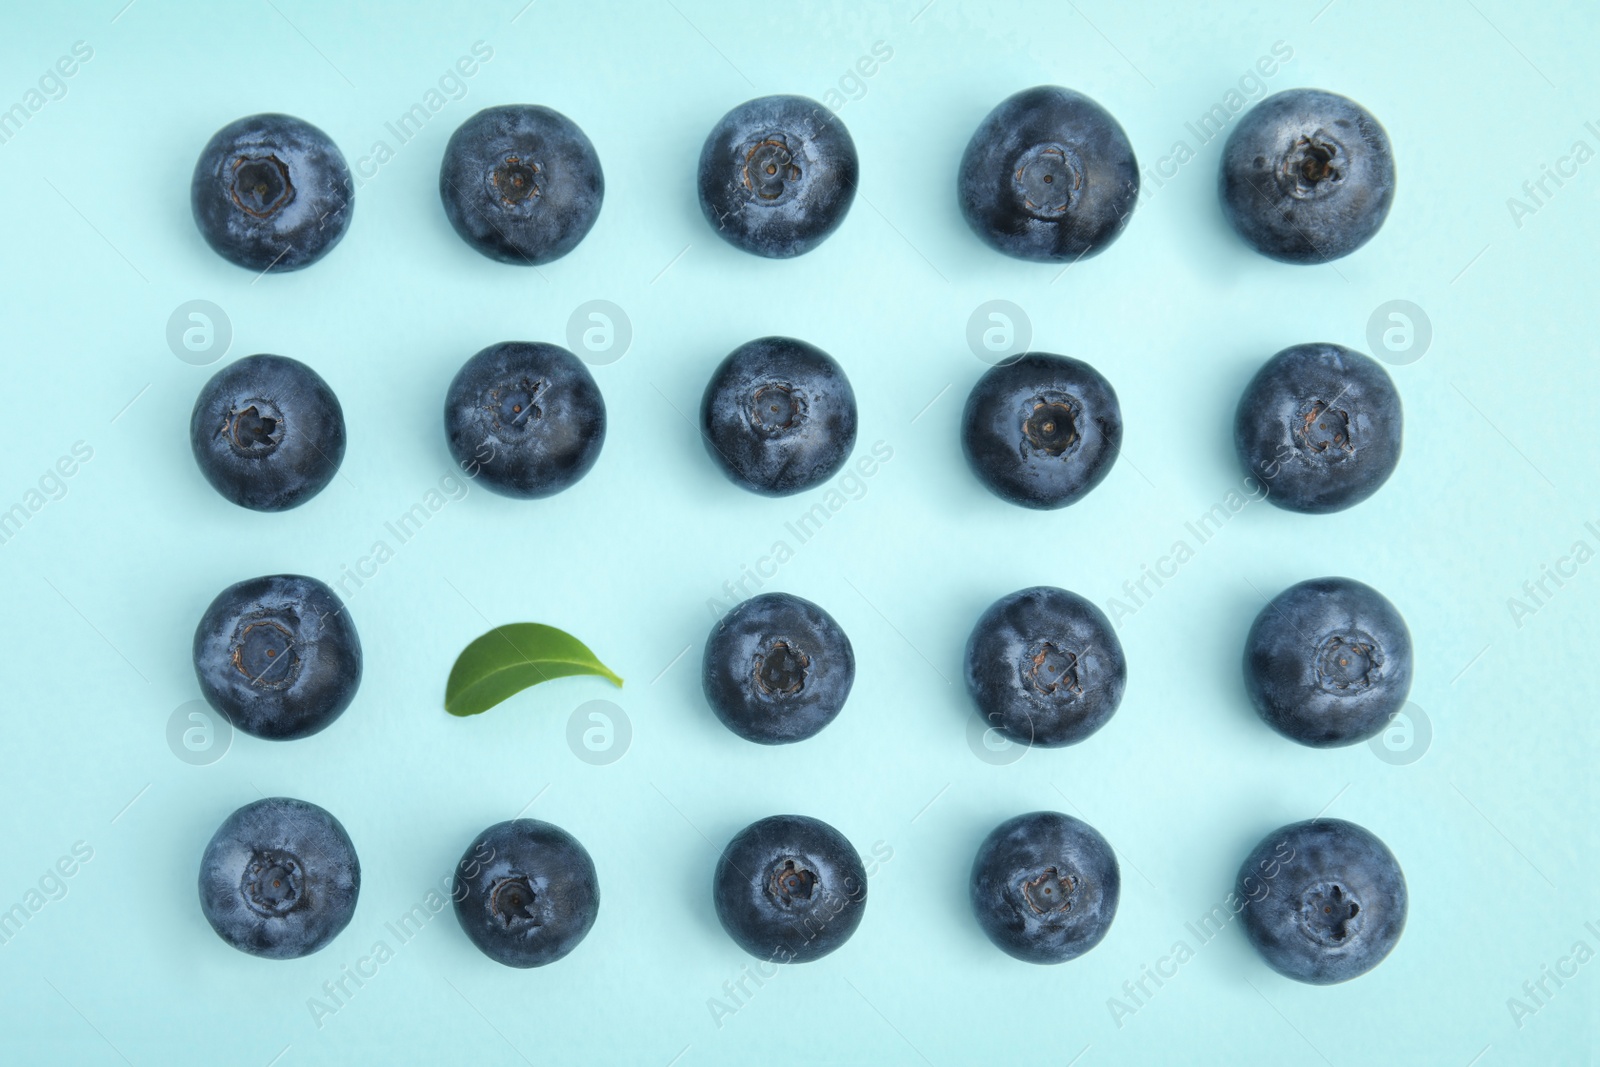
1494,825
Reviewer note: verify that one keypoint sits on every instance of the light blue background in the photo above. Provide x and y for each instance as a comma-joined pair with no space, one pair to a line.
102,587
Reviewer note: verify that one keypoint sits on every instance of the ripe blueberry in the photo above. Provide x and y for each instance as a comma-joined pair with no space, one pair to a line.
777,175
278,656
779,416
526,893
271,192
267,433
1044,667
790,889
1048,176
1320,425
1307,176
521,183
1328,662
777,669
1324,900
526,418
1041,431
1045,887
279,879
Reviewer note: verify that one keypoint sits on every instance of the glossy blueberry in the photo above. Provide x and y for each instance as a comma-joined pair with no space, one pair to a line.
521,183
271,192
267,433
1045,887
1044,667
1048,176
279,879
1328,662
790,889
1320,426
777,669
1307,176
525,418
779,416
526,893
1041,431
777,175
1323,900
278,656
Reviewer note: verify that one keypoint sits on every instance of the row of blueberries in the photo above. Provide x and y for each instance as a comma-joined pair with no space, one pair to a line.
1307,176
1320,425
1322,900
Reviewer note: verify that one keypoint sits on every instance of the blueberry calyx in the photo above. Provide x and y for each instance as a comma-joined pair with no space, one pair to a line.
1349,662
1329,914
1325,430
1051,669
791,882
1051,428
1313,167
1050,892
263,651
272,883
516,181
769,169
511,900
514,405
1047,180
776,407
781,670
261,185
254,429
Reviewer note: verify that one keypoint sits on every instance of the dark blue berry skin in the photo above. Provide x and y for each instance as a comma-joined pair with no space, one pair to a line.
777,669
526,893
271,192
777,175
1048,176
521,183
790,889
279,879
779,416
1324,900
1307,176
1320,426
1044,667
1045,887
278,656
1328,662
1042,431
267,432
525,418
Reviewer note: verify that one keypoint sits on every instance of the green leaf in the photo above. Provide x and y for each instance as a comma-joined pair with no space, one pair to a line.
508,659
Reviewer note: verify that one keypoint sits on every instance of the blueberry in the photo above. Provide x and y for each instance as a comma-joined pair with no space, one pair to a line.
279,879
271,192
777,175
278,656
1045,887
521,183
1044,667
1328,662
1307,176
790,889
1323,900
1320,426
777,669
1041,431
779,416
526,893
525,418
1048,176
267,432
